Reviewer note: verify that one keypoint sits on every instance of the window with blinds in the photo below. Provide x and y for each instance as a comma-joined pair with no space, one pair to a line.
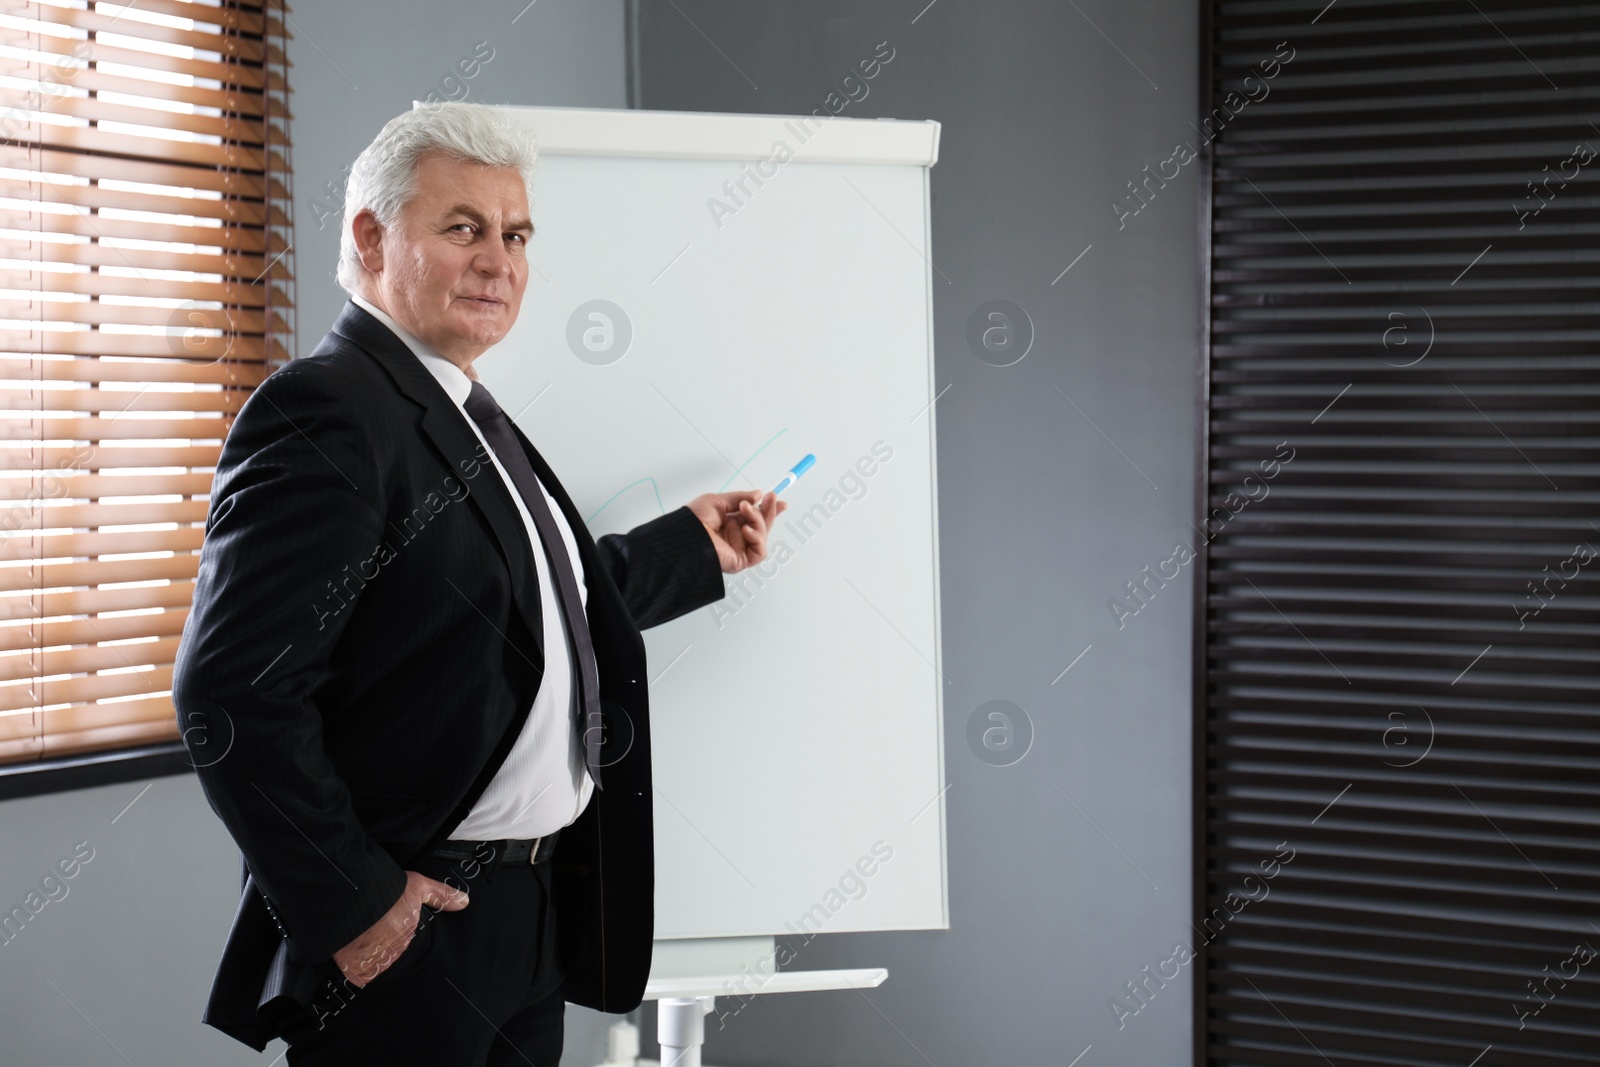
1398,684
145,288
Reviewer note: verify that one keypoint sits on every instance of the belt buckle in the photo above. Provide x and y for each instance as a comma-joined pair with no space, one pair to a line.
533,852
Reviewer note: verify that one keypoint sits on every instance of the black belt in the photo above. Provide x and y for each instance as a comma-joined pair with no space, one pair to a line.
511,850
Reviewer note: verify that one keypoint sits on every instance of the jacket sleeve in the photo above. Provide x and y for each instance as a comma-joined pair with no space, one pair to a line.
296,497
664,568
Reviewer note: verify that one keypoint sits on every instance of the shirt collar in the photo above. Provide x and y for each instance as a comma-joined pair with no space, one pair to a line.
451,378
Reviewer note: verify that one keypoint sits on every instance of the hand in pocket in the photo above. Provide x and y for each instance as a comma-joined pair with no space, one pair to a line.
375,951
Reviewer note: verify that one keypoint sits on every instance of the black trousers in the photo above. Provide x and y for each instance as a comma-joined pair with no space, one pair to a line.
479,987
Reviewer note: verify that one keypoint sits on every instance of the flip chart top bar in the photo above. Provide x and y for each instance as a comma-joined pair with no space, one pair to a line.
590,131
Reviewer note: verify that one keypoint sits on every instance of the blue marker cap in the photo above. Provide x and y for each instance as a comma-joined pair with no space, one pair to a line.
794,473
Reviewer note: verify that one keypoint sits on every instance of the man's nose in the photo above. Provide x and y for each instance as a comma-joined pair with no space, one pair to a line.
492,260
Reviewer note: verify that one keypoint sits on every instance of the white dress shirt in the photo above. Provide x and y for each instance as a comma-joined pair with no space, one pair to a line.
543,784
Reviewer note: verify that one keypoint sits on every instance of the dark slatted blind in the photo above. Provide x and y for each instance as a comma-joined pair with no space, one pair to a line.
1398,685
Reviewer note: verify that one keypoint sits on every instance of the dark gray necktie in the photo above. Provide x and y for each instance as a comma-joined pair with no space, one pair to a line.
497,431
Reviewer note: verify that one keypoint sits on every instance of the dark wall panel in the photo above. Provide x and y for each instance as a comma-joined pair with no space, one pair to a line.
1399,789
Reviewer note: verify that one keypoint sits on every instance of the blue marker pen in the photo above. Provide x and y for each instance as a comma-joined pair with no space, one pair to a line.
794,473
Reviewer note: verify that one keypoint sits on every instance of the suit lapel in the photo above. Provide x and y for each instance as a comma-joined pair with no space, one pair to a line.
446,427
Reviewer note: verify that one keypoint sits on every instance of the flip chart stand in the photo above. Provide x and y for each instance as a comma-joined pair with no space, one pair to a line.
683,1003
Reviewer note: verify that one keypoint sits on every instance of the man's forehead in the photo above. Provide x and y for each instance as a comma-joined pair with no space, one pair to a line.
453,181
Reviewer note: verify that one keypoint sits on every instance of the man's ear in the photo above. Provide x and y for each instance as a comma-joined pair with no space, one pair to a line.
368,232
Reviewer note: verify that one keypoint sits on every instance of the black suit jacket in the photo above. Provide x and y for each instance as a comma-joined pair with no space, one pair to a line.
364,646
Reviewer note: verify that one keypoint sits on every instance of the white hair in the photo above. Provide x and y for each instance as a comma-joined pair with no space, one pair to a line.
383,178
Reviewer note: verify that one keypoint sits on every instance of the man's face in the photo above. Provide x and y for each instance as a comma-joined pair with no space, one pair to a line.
453,270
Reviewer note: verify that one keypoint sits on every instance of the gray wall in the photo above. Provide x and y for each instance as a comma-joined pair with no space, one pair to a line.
1055,902
1041,517
121,965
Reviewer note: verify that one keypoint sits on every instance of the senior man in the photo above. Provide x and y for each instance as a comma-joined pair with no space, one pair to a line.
428,676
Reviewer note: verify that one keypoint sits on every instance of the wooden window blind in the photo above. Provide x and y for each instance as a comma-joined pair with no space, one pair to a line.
145,288
1398,684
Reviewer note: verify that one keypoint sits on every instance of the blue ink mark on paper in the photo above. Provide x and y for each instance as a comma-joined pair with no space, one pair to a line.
656,489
